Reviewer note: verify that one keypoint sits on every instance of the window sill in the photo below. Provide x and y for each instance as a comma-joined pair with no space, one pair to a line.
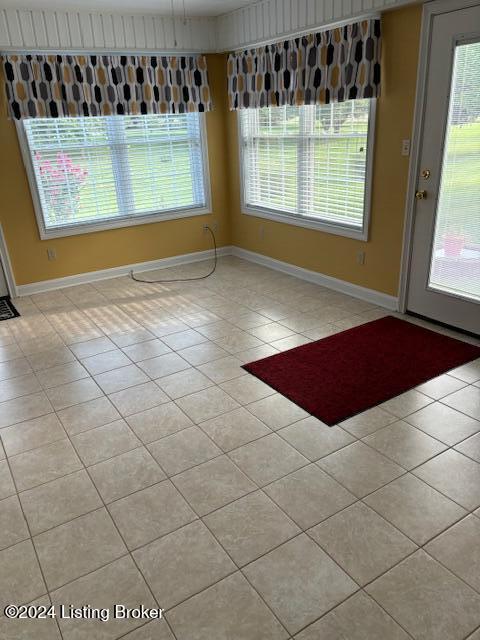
93,227
308,223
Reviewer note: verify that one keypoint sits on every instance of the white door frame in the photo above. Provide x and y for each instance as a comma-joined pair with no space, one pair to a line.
7,265
430,10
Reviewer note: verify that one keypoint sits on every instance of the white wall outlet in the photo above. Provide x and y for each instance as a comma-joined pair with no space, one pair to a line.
361,257
405,147
52,254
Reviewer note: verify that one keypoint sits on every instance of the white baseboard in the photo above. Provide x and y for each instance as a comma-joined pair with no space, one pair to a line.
115,272
369,295
342,286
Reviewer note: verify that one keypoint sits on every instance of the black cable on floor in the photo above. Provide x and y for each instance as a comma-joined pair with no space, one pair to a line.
134,277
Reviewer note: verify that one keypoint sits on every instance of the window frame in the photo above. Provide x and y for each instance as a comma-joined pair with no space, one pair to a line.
120,221
309,222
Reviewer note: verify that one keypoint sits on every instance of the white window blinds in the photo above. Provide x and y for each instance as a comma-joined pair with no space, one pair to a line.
309,162
95,170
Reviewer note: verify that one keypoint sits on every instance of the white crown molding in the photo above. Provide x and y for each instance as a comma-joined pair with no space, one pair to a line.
342,286
257,23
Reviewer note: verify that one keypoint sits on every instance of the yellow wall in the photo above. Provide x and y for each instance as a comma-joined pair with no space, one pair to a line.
334,255
325,253
116,247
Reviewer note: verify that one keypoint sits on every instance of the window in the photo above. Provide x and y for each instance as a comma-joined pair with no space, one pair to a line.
309,165
94,173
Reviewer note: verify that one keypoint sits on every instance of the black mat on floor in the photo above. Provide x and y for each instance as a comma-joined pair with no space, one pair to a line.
7,310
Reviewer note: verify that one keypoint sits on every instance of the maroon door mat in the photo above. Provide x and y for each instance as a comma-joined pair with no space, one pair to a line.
349,372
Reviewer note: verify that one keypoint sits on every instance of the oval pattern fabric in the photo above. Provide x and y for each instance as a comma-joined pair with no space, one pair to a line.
56,86
318,68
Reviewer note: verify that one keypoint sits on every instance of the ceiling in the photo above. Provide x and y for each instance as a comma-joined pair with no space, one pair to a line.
162,7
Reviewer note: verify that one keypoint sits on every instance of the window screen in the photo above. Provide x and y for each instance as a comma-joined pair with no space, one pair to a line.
95,170
309,161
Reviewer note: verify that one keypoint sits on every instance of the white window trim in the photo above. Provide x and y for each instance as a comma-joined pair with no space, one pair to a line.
120,221
307,222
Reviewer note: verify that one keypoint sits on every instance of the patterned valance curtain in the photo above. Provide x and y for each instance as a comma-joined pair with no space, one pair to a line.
329,66
56,86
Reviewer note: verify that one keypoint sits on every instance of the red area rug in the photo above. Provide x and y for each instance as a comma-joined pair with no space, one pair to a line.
349,372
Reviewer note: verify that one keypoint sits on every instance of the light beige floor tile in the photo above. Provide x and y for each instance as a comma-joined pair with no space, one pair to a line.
125,474
361,542
119,379
406,403
257,353
139,398
427,600
276,411
14,368
223,369
444,424
415,508
78,547
206,404
165,327
359,618
20,577
309,495
10,352
469,372
297,340
128,338
44,464
146,350
59,501
455,476
183,450
7,487
404,444
158,422
202,353
251,526
17,387
184,339
441,386
235,428
213,484
317,333
61,374
26,408
118,583
314,439
467,400
458,549
270,332
13,527
191,551
99,444
215,330
108,361
150,513
163,365
368,422
267,459
182,383
73,393
31,434
21,628
247,389
238,341
230,609
92,347
299,582
88,415
360,469
470,447
50,358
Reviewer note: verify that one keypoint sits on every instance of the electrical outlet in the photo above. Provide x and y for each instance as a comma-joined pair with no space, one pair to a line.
52,254
361,257
405,147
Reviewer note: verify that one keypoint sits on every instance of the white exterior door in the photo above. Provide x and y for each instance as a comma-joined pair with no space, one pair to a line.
444,277
3,283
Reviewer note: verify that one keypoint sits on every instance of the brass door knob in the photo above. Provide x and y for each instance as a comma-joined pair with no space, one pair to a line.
421,195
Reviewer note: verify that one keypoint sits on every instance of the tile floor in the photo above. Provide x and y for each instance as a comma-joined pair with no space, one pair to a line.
140,464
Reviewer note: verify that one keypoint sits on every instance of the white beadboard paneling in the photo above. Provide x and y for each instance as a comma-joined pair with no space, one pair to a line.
26,26
63,30
76,37
4,35
139,32
13,24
